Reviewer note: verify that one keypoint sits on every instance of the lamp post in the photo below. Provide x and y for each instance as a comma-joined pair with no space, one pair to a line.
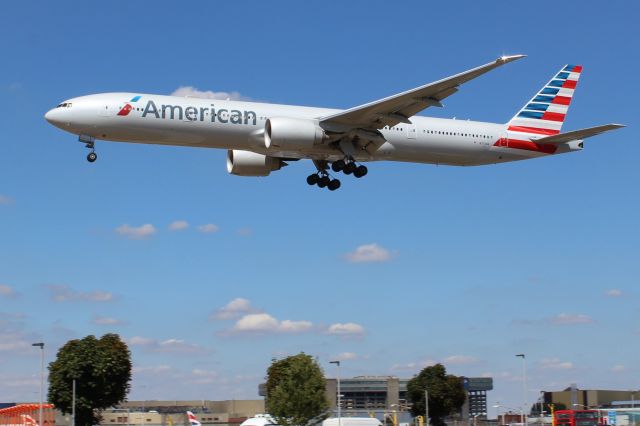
524,386
73,403
475,418
337,363
41,346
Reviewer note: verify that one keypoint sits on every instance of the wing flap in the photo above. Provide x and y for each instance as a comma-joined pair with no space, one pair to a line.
577,134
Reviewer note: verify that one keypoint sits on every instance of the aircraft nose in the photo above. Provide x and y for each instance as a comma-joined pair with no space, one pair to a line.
49,116
54,116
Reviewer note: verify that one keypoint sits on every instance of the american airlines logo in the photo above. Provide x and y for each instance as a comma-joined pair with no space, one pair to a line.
192,113
125,110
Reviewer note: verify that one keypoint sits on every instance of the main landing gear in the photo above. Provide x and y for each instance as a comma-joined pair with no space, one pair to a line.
323,180
349,166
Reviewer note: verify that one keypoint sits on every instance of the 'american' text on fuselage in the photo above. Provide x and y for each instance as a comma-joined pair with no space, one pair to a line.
192,113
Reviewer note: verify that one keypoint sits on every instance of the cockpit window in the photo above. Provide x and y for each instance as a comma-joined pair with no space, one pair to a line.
64,105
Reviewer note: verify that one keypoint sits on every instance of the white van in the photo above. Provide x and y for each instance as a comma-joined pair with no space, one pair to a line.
259,420
352,421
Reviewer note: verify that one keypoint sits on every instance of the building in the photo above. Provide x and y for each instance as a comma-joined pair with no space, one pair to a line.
389,393
173,413
572,397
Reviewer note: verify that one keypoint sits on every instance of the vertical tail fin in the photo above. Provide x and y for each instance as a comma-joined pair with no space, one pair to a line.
544,114
193,420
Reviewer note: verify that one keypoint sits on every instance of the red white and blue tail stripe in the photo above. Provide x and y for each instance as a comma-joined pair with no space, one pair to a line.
193,420
544,114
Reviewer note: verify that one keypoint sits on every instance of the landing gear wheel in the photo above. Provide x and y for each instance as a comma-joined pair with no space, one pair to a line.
338,166
324,181
360,171
91,157
333,185
313,179
350,168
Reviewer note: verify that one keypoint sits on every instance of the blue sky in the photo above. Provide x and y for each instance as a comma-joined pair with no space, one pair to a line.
465,266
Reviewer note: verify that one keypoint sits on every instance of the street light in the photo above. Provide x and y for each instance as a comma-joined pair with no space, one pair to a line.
337,363
475,418
581,405
524,384
41,346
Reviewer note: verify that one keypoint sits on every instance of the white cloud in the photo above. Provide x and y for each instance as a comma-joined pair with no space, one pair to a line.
234,309
63,293
155,369
245,232
614,292
201,376
178,225
7,291
368,253
619,368
208,228
288,326
136,233
5,200
266,324
460,360
346,356
414,366
107,321
192,92
166,346
555,364
13,341
345,329
570,319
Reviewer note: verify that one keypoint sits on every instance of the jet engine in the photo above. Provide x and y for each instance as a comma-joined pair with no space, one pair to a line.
247,163
284,133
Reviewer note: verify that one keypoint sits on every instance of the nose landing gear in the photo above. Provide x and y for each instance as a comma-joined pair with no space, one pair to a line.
90,142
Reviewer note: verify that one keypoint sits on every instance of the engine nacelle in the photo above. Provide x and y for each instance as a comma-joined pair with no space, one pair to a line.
286,133
247,163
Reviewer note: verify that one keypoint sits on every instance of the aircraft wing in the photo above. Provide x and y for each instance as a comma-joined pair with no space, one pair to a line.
400,107
577,134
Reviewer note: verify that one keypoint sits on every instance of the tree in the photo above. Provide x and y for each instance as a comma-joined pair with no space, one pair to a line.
446,393
296,391
102,370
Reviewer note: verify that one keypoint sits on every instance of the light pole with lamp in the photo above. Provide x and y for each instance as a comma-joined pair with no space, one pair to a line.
475,418
524,386
41,346
337,363
497,407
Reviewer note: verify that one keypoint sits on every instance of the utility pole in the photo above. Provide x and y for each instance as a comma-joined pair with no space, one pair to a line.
73,403
524,387
337,363
426,407
41,346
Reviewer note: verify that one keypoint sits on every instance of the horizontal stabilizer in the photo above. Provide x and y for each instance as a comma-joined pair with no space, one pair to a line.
577,134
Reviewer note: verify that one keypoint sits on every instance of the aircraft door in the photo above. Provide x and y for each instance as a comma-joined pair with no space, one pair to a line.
411,131
504,139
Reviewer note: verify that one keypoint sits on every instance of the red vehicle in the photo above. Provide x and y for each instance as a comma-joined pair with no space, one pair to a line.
577,418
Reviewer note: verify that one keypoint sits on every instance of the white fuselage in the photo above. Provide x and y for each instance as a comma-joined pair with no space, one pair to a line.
235,125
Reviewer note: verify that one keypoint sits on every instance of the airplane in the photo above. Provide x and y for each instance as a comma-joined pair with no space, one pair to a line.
261,138
193,420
